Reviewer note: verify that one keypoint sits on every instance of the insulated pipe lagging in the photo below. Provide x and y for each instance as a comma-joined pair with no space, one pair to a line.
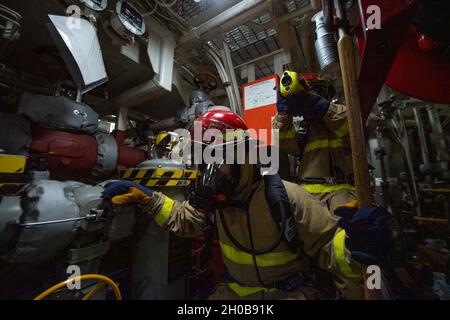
326,45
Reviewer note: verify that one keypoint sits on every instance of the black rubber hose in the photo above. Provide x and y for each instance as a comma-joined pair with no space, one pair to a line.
327,7
252,243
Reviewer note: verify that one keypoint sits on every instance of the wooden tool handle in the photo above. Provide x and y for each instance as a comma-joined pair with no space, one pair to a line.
350,79
360,166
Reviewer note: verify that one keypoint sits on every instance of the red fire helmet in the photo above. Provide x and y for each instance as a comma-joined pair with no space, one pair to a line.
222,120
230,124
310,76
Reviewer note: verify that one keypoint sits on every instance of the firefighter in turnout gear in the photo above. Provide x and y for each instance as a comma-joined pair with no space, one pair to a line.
272,233
322,144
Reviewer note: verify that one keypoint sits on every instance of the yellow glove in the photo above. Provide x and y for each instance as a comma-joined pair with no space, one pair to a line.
125,192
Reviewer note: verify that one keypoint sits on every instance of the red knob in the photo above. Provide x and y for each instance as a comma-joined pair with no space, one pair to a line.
425,43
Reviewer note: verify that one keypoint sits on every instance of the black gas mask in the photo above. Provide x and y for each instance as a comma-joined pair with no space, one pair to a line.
214,187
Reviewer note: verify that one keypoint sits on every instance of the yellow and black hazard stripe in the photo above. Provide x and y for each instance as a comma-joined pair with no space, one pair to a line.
159,183
160,177
12,164
158,173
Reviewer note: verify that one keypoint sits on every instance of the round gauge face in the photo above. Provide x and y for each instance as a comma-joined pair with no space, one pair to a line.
130,17
97,5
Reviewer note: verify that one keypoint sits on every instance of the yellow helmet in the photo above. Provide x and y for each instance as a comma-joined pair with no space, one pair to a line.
291,83
164,140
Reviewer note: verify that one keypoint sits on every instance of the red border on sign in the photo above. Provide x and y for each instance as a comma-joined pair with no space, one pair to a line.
260,117
275,76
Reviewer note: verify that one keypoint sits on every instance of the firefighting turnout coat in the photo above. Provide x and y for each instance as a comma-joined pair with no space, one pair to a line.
322,241
326,153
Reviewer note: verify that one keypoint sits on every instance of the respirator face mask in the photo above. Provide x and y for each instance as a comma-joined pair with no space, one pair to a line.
215,186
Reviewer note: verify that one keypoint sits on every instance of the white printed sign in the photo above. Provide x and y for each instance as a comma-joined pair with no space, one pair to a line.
260,94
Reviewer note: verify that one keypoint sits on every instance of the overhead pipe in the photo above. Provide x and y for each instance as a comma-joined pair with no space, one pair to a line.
228,64
214,57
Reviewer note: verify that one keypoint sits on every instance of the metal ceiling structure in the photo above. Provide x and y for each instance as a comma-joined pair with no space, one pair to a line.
297,4
246,44
248,41
238,41
190,9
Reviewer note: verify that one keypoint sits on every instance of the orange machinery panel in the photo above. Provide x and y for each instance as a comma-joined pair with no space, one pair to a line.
260,98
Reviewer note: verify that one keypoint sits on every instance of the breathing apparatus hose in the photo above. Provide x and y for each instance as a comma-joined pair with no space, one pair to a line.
277,201
249,250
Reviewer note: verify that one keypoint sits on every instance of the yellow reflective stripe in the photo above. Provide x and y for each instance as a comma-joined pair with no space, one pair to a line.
242,291
286,135
343,130
270,259
322,144
339,253
325,188
163,214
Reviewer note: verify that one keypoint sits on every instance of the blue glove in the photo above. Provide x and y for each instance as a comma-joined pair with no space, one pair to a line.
281,102
307,105
126,192
369,237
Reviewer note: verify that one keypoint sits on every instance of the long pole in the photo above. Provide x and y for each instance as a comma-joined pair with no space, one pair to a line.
347,59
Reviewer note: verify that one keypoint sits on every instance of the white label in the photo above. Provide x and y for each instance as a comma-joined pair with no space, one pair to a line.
261,94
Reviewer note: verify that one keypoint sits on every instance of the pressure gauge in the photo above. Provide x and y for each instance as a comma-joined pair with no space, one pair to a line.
96,5
127,20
